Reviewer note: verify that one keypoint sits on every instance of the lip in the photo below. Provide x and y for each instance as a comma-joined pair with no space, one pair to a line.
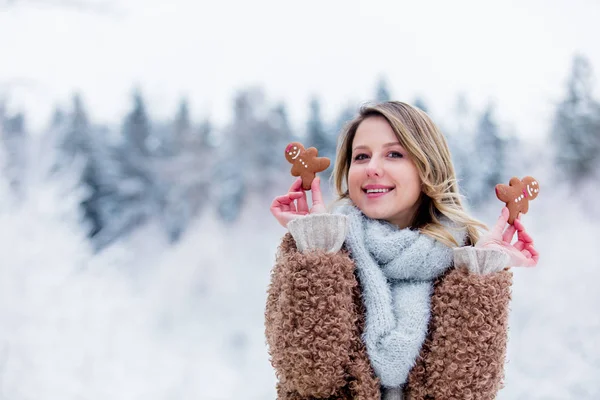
376,187
376,195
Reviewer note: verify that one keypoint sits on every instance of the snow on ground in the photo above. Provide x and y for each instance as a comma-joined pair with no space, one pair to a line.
145,320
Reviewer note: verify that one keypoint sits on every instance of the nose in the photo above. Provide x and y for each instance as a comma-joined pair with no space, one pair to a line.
374,168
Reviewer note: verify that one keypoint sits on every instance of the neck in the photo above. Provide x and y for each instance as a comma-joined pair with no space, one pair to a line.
406,219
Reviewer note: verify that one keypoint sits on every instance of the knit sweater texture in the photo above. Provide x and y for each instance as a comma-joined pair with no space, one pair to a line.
396,269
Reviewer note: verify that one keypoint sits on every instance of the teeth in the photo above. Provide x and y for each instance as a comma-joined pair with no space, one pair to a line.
378,190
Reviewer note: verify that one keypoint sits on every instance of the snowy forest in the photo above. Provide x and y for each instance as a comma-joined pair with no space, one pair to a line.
136,257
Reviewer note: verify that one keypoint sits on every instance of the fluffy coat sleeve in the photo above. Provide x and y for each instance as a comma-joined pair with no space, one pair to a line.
313,324
463,356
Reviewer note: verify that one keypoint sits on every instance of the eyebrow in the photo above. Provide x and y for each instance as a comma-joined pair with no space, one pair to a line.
390,144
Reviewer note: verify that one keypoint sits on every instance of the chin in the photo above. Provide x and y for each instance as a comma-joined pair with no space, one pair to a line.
375,213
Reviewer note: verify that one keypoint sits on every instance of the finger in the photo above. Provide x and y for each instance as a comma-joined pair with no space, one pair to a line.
286,199
277,209
296,186
295,195
500,224
522,234
509,233
529,257
284,203
278,204
519,245
524,237
317,196
531,260
302,202
535,255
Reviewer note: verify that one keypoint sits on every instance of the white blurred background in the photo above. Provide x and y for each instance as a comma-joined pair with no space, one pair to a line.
141,144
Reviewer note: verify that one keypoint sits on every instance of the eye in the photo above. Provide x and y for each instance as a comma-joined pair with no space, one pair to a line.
360,157
395,154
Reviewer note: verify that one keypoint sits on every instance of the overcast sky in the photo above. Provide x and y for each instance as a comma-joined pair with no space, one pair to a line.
515,52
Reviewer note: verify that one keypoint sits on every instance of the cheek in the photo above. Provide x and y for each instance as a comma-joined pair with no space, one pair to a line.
416,184
354,175
354,180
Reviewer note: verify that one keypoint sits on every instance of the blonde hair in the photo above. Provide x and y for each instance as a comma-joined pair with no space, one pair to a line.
428,148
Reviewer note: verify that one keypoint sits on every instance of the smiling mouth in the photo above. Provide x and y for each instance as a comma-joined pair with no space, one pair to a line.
377,191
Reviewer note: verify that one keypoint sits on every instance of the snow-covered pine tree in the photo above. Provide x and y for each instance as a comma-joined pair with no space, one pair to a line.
459,134
43,237
250,160
316,135
122,188
487,162
44,309
347,113
382,93
280,134
182,125
319,136
279,120
183,174
14,139
5,192
576,126
272,133
76,145
176,134
204,135
420,104
136,127
80,150
232,170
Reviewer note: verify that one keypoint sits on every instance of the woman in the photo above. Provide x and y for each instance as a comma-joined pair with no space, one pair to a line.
393,294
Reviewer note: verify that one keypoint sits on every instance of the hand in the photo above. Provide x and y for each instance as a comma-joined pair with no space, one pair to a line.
522,253
284,209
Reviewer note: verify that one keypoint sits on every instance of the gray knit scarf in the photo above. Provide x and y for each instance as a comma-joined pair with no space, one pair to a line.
396,269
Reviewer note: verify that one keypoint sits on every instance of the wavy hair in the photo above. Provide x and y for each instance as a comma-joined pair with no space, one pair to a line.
427,147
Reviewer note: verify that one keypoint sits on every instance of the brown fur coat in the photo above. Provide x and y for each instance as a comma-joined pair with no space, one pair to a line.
314,319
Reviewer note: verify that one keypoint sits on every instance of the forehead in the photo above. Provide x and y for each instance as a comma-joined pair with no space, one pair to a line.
374,131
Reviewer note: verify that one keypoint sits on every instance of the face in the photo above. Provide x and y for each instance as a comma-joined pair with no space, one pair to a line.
293,151
383,181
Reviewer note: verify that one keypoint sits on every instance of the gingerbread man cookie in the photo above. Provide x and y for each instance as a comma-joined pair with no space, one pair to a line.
305,162
517,195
